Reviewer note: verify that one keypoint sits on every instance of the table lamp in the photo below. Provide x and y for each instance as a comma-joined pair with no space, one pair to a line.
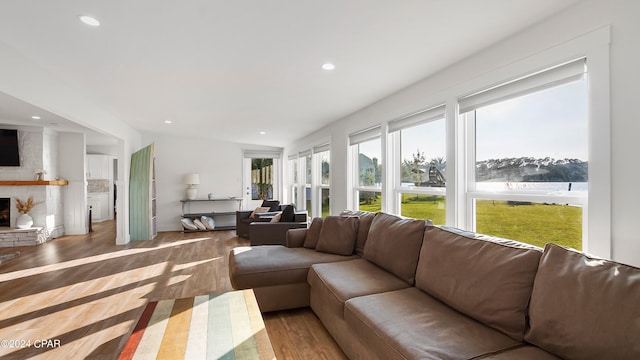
191,180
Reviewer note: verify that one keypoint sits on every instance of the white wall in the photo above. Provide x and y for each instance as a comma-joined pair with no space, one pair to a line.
22,78
111,150
38,150
72,168
584,18
218,163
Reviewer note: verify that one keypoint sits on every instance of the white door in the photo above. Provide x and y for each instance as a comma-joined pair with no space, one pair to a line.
260,181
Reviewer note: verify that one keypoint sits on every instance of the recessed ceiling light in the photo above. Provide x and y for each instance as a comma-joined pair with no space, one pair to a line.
35,117
262,133
168,122
91,21
328,66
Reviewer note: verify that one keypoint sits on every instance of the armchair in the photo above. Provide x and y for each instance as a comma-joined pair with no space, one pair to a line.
243,218
274,233
261,231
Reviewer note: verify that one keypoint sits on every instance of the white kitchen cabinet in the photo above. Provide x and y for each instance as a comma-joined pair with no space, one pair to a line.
99,203
97,166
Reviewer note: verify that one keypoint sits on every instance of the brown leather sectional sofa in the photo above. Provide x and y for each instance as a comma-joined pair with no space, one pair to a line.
386,287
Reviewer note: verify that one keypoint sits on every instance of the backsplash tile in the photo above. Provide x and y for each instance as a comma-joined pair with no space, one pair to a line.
98,185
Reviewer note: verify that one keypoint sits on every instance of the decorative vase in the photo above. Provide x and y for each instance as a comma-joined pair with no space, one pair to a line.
24,221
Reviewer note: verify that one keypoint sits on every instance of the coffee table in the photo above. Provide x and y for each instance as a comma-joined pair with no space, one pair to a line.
226,326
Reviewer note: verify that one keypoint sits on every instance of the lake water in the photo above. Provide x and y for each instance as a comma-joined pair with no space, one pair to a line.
532,186
528,186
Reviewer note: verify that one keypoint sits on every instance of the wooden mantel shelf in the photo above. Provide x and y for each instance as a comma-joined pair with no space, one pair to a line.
33,182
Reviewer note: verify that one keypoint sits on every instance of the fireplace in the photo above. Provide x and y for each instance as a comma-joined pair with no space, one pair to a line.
5,212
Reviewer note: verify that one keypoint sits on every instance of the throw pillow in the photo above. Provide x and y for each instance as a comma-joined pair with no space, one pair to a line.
313,234
338,235
259,210
199,224
583,307
276,218
208,222
467,271
288,214
188,224
363,227
394,244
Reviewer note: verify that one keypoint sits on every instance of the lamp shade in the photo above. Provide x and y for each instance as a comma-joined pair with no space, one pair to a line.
191,179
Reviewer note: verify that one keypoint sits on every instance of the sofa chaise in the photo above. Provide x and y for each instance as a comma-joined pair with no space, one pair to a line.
387,287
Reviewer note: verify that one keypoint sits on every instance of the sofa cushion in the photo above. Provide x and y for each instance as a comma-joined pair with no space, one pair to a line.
584,307
394,244
364,225
313,234
524,352
487,278
348,279
409,324
269,265
338,235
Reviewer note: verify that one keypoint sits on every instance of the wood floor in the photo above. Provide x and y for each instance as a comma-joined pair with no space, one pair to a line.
85,294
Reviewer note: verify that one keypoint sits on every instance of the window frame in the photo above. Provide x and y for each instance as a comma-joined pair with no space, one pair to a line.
318,186
298,163
431,114
593,46
355,139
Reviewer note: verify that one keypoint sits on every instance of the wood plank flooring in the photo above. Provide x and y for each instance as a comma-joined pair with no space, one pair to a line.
84,294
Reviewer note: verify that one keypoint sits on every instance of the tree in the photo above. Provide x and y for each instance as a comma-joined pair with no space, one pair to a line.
414,168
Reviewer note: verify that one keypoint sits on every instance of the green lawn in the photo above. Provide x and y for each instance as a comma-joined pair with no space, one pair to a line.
534,223
430,207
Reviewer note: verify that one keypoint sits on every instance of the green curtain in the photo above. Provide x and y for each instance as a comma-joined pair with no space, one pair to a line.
140,193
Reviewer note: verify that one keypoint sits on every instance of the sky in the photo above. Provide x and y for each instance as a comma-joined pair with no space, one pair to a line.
550,123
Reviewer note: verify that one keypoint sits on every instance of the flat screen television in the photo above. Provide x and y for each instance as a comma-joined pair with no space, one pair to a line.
9,150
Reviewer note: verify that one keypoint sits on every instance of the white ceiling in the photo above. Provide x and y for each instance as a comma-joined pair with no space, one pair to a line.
229,69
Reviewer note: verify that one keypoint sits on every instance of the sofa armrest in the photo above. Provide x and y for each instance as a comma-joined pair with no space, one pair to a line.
244,214
300,216
295,237
268,233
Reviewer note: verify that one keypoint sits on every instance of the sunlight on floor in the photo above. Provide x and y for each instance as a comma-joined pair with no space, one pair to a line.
91,259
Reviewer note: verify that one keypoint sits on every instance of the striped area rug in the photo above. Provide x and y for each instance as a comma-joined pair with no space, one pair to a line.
227,326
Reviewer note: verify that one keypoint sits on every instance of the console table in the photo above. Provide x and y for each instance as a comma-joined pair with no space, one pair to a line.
215,215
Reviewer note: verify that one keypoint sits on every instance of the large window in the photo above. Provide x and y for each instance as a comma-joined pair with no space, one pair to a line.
293,179
309,180
306,160
420,180
366,149
322,190
528,141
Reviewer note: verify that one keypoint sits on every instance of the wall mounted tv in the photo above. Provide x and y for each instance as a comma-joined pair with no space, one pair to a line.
9,152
